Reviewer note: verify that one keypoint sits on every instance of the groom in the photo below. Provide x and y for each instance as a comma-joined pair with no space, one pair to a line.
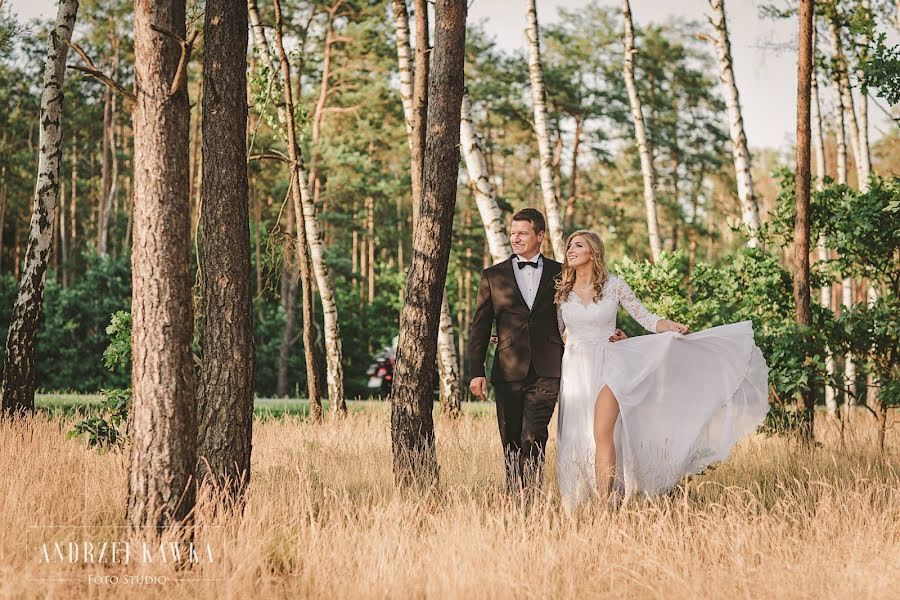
517,294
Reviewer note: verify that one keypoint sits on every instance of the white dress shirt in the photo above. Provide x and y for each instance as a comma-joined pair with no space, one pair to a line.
528,278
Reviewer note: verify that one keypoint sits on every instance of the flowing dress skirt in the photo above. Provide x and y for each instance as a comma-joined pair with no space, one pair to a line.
684,402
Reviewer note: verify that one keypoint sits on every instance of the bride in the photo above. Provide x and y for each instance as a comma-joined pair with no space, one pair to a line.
638,415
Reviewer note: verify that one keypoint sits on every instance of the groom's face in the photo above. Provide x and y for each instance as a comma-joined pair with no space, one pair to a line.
524,240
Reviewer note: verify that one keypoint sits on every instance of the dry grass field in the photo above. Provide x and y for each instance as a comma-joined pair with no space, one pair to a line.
323,520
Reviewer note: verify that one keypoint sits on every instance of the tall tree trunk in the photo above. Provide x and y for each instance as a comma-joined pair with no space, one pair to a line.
739,150
485,199
161,485
818,144
447,358
542,131
19,363
110,166
573,178
197,179
105,170
847,105
225,411
419,105
640,132
298,192
306,219
841,116
73,203
802,177
412,426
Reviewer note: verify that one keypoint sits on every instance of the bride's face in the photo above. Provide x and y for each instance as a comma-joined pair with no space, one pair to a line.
578,252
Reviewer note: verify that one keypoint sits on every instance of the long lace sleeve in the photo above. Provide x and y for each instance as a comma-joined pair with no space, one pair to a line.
634,307
559,321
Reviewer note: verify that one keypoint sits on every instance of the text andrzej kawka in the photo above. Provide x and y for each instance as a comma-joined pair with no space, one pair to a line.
113,560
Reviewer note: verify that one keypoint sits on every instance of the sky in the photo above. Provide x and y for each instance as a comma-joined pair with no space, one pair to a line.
762,50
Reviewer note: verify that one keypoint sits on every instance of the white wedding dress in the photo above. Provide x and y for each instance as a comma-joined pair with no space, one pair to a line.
684,400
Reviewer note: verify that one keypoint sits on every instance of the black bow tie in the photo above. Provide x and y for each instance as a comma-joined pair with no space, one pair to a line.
524,264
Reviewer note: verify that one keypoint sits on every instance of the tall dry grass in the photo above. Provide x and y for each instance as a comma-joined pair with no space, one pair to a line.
322,519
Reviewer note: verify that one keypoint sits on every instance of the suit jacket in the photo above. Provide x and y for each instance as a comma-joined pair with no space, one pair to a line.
525,337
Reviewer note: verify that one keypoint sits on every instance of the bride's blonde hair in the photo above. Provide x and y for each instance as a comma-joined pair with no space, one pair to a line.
599,274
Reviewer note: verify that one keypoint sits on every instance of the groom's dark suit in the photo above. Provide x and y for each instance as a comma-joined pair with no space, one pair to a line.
527,362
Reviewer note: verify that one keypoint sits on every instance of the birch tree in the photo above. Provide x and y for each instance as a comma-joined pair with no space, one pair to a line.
739,150
161,482
447,358
818,145
542,131
300,196
306,212
640,132
485,198
19,363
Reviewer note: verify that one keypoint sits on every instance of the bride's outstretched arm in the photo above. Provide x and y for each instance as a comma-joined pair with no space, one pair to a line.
635,308
647,319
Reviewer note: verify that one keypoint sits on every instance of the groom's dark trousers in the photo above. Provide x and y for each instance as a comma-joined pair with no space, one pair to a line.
526,369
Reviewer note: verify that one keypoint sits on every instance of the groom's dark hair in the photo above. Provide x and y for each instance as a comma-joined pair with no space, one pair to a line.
534,216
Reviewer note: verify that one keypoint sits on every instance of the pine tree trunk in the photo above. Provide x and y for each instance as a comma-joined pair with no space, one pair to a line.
739,150
420,106
542,131
802,178
412,426
19,362
485,199
307,220
225,411
161,486
73,203
300,195
640,132
447,358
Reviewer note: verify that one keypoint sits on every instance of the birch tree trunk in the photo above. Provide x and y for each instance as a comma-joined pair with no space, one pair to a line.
802,177
847,105
542,131
306,208
19,363
412,426
300,195
447,358
818,144
845,117
485,198
161,484
225,411
640,132
739,150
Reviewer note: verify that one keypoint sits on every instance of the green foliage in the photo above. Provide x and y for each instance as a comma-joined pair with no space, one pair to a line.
881,72
109,428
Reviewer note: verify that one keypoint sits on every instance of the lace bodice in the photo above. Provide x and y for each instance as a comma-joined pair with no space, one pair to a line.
597,321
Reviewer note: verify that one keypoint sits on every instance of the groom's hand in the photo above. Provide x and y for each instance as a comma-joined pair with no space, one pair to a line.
618,336
478,387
